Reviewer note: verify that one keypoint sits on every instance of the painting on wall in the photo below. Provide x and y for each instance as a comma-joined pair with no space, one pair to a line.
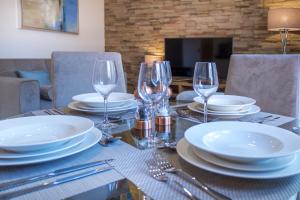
53,15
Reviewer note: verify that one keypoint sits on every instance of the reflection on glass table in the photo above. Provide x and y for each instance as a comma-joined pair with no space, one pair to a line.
119,190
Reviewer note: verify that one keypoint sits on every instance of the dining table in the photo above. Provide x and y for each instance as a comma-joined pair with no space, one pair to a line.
130,177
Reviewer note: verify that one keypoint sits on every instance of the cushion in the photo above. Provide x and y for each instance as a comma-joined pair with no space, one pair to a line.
46,92
41,76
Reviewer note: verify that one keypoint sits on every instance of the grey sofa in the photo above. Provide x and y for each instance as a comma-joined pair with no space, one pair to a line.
20,95
72,74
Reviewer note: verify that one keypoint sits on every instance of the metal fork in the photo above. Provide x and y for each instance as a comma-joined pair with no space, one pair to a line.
160,175
54,112
168,167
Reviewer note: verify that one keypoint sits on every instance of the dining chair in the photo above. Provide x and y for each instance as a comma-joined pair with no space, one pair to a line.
72,74
272,80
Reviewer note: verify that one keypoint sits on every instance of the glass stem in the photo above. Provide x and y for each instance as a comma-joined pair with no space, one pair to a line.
152,135
105,111
205,110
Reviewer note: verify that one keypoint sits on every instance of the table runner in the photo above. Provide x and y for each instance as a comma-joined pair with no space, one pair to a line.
97,152
129,163
133,167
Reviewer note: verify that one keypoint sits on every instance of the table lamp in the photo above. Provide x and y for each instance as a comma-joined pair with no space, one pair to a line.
151,58
284,20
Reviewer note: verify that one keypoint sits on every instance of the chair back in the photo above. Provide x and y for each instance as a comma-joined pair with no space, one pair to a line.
272,80
72,74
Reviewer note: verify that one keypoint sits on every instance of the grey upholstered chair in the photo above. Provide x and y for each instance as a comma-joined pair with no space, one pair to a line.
72,74
19,95
273,80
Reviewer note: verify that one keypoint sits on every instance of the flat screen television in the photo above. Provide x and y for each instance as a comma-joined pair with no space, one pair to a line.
183,53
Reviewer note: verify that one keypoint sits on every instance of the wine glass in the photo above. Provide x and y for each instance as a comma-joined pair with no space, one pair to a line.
168,72
163,107
152,87
105,79
205,82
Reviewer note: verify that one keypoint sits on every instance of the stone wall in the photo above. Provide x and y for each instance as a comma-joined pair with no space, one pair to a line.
138,27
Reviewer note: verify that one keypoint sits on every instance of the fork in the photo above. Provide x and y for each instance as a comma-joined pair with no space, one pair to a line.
168,167
160,175
54,112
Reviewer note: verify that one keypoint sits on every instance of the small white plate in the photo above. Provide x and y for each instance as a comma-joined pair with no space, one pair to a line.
15,155
91,139
252,110
267,165
41,132
96,100
226,102
243,141
74,106
185,151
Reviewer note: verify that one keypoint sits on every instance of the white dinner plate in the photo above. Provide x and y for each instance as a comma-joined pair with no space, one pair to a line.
129,104
244,110
96,100
41,132
91,139
226,102
16,155
243,141
267,165
185,151
74,106
252,110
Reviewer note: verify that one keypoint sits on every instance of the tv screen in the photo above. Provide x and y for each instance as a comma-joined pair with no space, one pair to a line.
183,53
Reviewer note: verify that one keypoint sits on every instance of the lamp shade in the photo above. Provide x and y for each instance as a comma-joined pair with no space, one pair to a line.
284,18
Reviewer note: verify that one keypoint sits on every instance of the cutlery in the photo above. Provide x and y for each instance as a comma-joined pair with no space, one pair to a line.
255,120
168,167
23,181
269,119
48,184
159,175
107,138
168,145
54,112
183,114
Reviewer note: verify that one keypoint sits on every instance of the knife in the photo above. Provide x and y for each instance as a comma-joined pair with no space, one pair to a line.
48,184
15,183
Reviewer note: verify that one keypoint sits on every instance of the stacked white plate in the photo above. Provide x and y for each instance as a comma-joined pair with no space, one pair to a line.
38,139
94,103
229,106
242,149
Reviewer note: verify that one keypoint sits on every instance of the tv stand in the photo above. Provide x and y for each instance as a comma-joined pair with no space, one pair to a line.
181,83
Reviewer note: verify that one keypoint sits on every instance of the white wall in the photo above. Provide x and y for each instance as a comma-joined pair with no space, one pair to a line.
21,43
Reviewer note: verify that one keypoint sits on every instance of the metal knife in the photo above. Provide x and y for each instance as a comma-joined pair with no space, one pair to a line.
15,183
45,185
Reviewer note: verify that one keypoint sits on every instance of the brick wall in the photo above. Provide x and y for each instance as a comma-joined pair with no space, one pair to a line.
138,27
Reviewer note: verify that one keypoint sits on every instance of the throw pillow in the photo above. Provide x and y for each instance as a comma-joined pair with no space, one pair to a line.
41,76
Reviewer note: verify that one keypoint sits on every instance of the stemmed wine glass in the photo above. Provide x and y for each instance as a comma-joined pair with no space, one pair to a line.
205,82
163,107
105,79
152,87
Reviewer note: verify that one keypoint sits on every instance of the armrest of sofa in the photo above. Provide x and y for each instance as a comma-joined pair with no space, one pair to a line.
18,96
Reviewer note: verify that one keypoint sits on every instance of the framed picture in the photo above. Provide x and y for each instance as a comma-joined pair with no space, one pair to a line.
52,15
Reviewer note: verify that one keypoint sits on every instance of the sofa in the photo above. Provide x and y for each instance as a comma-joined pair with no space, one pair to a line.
20,95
